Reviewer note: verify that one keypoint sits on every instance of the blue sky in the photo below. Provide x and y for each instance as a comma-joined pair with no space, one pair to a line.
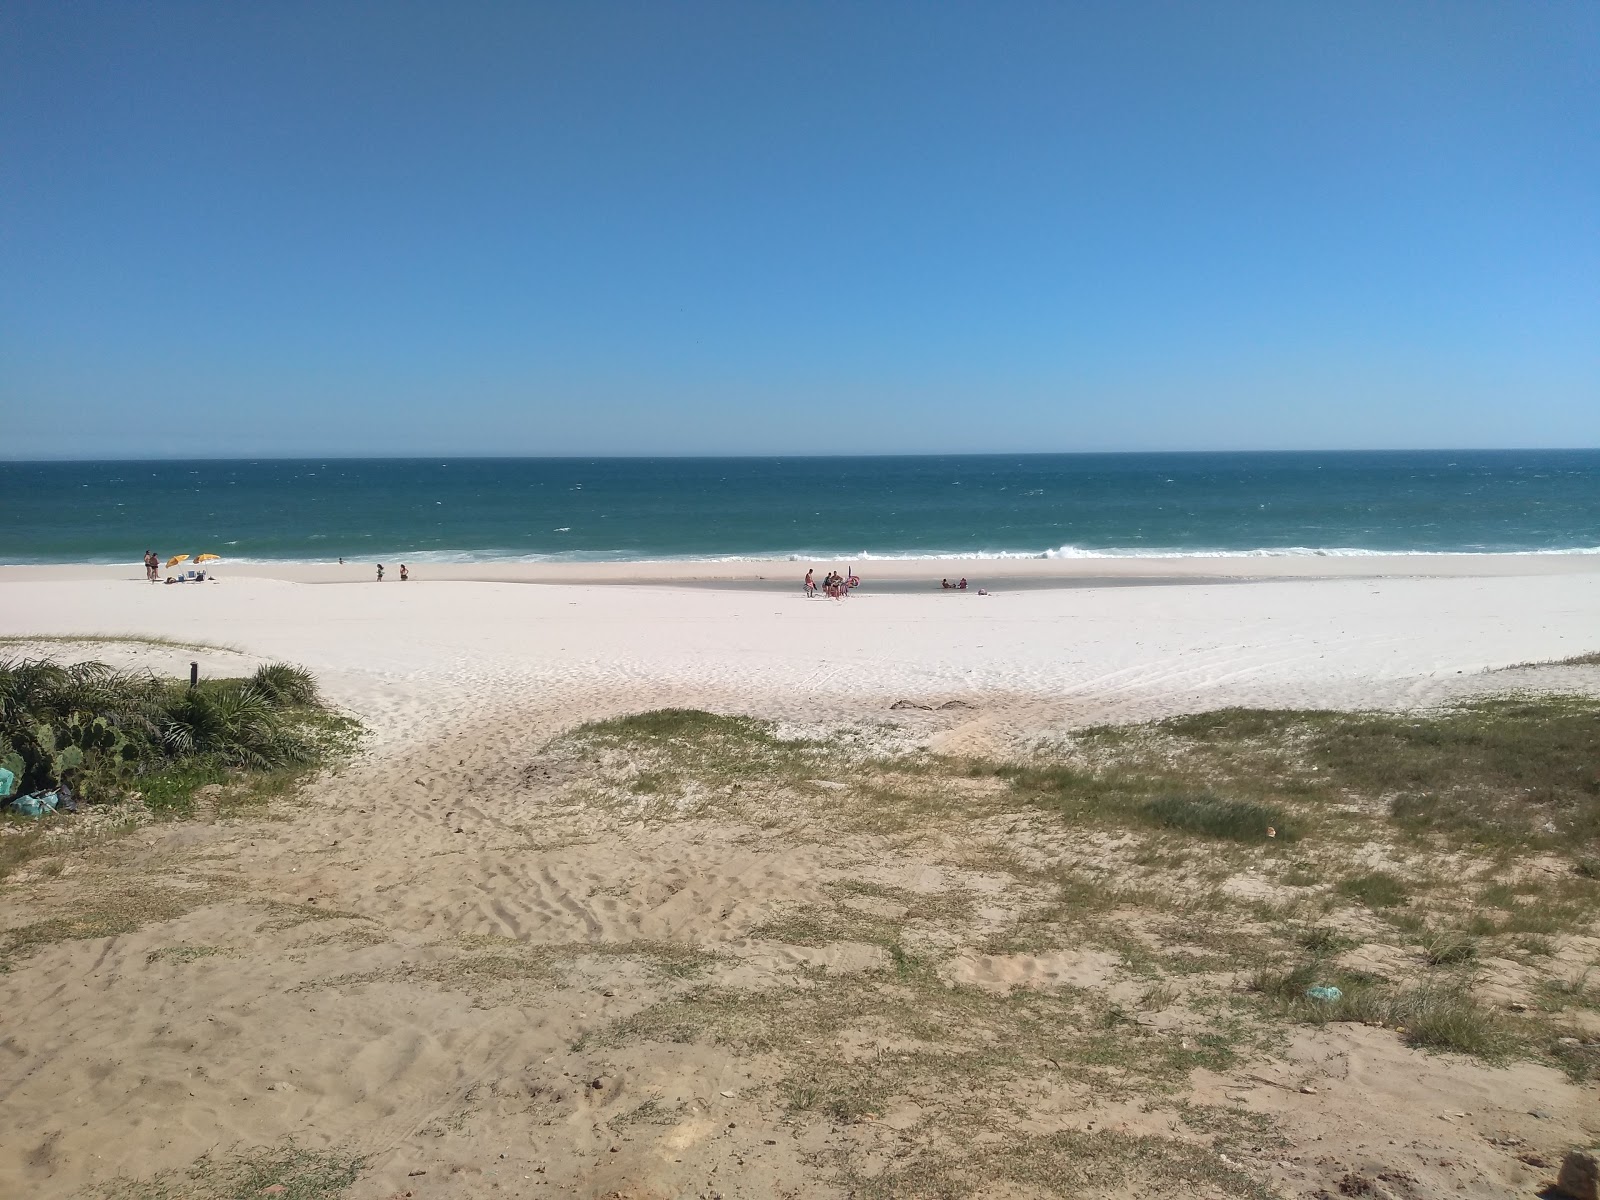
390,228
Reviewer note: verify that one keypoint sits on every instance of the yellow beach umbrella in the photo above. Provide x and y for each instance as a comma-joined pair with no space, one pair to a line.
176,559
200,558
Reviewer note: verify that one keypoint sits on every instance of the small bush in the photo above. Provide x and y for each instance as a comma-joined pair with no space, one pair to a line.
1375,889
1588,866
1448,1018
1448,948
1322,940
1212,816
1437,1016
672,724
283,685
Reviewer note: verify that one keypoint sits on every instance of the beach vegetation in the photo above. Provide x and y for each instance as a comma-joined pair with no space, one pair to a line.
1435,1015
285,1170
1375,889
1592,659
112,731
1213,816
30,641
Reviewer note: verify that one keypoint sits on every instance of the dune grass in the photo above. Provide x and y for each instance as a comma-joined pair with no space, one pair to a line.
1438,1014
285,1171
1213,816
1591,659
1375,889
113,639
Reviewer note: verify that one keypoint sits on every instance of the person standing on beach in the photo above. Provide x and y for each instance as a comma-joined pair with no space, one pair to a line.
404,574
811,584
152,565
380,572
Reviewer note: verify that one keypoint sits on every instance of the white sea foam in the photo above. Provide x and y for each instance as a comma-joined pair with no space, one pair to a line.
1059,553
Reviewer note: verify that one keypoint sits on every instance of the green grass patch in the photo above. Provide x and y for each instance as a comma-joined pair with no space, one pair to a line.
1375,889
247,1174
1324,941
1436,1015
1449,948
1067,1163
182,954
1212,816
1507,772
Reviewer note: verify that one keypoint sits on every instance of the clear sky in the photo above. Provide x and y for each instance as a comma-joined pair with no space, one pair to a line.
520,228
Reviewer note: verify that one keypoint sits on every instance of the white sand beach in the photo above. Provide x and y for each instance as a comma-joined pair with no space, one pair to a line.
455,641
120,1054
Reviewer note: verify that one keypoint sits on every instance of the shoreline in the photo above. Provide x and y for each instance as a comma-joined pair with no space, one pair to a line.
904,572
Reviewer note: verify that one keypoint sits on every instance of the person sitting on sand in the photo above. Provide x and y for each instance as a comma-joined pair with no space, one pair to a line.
962,586
945,584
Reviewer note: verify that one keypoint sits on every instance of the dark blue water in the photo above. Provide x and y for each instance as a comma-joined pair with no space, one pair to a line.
612,509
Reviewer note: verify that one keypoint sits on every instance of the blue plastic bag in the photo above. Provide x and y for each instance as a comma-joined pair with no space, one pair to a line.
35,805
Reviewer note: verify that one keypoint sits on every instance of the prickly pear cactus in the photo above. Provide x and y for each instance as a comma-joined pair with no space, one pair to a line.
13,762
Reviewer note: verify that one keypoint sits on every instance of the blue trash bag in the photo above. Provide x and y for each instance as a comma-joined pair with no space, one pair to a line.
35,805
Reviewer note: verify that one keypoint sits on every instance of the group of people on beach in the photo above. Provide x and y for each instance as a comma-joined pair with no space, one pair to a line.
152,571
833,584
404,573
954,587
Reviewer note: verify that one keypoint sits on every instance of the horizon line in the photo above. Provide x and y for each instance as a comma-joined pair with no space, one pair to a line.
486,457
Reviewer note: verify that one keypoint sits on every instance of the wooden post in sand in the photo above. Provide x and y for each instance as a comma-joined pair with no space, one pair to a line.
194,675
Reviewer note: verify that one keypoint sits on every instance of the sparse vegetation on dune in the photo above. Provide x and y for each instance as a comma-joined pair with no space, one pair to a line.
1591,659
286,1171
984,954
1302,799
111,639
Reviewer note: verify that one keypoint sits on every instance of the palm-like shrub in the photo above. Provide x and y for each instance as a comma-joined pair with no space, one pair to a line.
283,684
236,723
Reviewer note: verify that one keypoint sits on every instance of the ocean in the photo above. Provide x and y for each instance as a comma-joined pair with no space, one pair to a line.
620,509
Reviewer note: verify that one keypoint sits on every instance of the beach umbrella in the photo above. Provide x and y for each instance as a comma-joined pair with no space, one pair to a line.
176,559
200,558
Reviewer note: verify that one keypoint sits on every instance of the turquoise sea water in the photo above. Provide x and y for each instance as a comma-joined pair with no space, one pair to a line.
860,508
